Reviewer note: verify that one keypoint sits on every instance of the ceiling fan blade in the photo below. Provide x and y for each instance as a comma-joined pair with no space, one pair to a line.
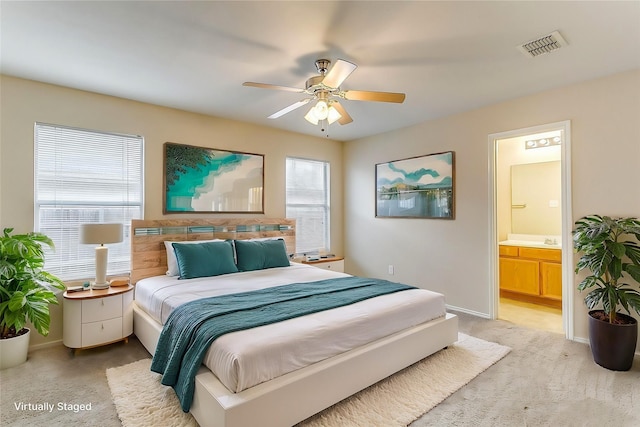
364,95
289,109
268,86
338,73
345,117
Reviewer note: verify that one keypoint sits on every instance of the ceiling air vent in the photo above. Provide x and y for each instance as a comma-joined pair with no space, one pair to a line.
545,44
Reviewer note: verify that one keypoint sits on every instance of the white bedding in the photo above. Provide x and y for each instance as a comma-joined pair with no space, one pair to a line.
246,358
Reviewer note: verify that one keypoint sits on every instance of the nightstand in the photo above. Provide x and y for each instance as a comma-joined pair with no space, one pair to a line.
334,264
97,317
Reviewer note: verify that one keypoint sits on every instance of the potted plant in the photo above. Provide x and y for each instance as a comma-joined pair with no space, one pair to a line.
611,254
25,293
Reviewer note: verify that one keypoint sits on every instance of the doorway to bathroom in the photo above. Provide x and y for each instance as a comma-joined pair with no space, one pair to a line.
531,227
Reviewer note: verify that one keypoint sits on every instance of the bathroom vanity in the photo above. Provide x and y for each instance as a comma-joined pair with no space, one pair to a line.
531,271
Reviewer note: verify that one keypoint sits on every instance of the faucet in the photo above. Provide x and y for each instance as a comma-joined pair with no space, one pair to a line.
549,241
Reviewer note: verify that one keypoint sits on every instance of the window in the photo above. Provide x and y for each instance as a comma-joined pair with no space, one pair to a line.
308,202
85,176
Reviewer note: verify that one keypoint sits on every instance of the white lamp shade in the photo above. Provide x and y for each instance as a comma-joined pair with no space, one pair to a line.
321,110
100,233
333,115
311,118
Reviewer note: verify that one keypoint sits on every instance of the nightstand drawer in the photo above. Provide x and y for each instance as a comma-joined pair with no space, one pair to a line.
96,333
331,265
97,309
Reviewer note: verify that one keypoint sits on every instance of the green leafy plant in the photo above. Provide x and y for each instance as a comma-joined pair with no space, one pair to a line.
25,289
611,254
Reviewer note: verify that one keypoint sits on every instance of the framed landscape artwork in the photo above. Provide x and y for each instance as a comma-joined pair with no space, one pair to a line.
418,187
207,180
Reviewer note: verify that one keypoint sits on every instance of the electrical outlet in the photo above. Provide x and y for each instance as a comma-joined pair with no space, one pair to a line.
391,269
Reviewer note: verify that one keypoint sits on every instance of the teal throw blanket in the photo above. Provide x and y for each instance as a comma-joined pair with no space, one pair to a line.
192,327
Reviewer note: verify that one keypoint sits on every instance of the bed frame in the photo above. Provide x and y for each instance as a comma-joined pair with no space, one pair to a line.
291,398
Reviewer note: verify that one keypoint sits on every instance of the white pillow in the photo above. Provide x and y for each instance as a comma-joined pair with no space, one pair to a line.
172,262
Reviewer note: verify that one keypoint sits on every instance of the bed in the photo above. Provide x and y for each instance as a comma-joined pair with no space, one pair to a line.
316,371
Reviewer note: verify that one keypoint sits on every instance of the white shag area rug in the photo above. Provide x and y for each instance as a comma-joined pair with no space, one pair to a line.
142,401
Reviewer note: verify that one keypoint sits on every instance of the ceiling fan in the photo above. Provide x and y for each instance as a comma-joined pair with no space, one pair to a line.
325,90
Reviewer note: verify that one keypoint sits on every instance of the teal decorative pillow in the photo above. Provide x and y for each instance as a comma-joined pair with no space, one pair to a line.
258,255
204,259
172,263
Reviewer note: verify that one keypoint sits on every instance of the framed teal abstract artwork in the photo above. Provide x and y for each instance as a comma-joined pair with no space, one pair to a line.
207,180
418,187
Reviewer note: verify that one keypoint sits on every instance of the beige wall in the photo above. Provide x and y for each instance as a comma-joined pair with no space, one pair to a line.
452,256
447,256
24,102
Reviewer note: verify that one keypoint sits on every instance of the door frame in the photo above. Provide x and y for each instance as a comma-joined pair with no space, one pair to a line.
567,219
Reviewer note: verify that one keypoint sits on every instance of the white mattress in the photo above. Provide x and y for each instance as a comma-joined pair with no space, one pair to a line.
246,358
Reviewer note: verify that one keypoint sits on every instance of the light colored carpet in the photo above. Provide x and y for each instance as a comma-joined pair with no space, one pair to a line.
545,381
395,401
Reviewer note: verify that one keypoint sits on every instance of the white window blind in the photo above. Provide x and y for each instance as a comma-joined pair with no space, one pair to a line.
307,200
85,176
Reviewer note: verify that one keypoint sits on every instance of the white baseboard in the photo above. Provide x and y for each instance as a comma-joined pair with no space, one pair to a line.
45,345
581,340
467,311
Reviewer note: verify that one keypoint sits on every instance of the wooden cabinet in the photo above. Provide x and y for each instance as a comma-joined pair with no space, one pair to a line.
531,275
520,275
551,280
97,317
334,264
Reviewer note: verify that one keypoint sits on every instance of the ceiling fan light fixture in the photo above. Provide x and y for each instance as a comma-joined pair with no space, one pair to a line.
311,117
323,90
321,110
333,115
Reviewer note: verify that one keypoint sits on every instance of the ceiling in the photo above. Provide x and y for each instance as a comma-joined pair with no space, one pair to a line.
448,57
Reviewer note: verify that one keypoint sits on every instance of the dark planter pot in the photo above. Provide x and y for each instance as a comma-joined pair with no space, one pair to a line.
613,346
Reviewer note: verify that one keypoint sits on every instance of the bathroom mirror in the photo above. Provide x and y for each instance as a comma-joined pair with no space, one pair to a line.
536,193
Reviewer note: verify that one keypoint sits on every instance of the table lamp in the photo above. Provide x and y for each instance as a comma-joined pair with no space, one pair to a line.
100,234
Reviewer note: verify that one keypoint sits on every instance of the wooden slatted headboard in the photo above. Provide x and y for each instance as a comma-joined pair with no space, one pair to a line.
148,253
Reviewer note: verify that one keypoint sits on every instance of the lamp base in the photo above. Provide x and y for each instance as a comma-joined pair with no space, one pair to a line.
98,286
